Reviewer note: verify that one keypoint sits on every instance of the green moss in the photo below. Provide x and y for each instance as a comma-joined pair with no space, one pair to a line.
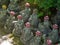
17,41
2,31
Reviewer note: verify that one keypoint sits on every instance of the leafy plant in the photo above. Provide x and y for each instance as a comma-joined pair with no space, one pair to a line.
45,4
58,4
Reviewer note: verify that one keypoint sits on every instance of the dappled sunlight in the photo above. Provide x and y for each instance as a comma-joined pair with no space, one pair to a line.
6,40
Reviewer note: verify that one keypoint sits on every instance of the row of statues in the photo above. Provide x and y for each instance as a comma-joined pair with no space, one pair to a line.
28,27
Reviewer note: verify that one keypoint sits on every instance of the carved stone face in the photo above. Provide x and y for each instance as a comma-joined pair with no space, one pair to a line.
49,42
27,24
12,13
55,26
38,33
46,18
19,17
27,5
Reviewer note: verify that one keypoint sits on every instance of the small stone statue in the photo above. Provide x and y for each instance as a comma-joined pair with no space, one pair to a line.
34,19
47,25
37,39
26,12
27,34
54,34
3,15
18,26
49,42
9,26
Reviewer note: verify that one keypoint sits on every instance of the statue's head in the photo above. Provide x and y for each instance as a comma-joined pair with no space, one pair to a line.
27,5
4,7
28,24
12,13
19,16
38,33
55,26
49,42
46,18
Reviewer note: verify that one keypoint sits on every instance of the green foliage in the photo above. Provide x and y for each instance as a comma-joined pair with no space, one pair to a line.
30,1
45,4
58,4
40,14
17,41
4,2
